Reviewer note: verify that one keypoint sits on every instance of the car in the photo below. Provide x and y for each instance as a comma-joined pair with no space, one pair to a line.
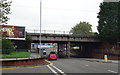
52,52
52,56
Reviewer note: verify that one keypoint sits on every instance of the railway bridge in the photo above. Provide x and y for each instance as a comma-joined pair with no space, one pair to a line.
85,43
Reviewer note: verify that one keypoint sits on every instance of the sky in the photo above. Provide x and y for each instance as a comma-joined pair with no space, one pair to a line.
59,15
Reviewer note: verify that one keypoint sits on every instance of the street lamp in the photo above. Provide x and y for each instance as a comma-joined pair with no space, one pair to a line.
40,52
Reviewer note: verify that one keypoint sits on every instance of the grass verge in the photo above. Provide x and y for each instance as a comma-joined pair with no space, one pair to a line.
15,55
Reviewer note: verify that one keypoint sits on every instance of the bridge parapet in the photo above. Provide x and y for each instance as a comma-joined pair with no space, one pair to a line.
63,37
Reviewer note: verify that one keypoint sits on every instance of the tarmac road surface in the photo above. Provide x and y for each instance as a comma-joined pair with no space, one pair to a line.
68,66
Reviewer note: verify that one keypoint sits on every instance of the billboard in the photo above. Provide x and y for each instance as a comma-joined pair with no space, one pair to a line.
13,32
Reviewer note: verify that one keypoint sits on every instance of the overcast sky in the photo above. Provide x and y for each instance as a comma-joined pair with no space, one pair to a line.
59,15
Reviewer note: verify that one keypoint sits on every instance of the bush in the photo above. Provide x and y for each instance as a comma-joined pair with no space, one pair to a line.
7,46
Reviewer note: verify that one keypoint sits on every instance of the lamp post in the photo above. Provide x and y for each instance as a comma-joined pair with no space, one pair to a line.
40,52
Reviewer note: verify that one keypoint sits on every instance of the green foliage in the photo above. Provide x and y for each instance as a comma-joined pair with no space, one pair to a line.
28,41
108,21
16,55
83,28
28,38
4,11
119,21
7,46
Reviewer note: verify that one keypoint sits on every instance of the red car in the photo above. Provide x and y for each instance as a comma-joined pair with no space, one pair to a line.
52,57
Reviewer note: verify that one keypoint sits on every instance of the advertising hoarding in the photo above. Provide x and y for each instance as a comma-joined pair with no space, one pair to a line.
13,32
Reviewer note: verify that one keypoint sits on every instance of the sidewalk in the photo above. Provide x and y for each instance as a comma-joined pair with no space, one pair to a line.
103,61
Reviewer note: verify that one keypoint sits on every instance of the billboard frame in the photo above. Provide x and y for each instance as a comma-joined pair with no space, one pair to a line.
17,27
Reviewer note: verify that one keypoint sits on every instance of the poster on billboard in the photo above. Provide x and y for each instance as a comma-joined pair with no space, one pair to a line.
12,32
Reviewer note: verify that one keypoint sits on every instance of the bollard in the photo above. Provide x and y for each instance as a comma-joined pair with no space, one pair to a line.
105,58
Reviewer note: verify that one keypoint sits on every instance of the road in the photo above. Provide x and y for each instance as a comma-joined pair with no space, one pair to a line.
65,66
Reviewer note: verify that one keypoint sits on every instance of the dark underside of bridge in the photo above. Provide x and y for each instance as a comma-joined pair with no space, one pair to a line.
87,49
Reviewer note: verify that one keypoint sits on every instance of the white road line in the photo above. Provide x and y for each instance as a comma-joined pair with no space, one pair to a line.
58,70
86,65
52,70
112,71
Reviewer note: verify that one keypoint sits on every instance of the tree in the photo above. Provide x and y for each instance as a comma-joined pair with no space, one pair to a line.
119,21
4,11
108,21
7,46
83,28
28,41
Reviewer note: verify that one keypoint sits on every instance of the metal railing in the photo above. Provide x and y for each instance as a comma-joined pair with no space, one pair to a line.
47,31
58,32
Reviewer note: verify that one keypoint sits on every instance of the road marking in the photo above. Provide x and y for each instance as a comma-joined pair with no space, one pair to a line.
52,69
49,62
58,69
112,71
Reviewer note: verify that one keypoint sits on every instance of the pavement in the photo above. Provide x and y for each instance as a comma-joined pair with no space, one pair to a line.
102,60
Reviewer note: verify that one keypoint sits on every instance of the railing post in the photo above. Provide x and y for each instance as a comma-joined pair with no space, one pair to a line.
28,53
16,55
34,31
54,31
45,31
63,32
